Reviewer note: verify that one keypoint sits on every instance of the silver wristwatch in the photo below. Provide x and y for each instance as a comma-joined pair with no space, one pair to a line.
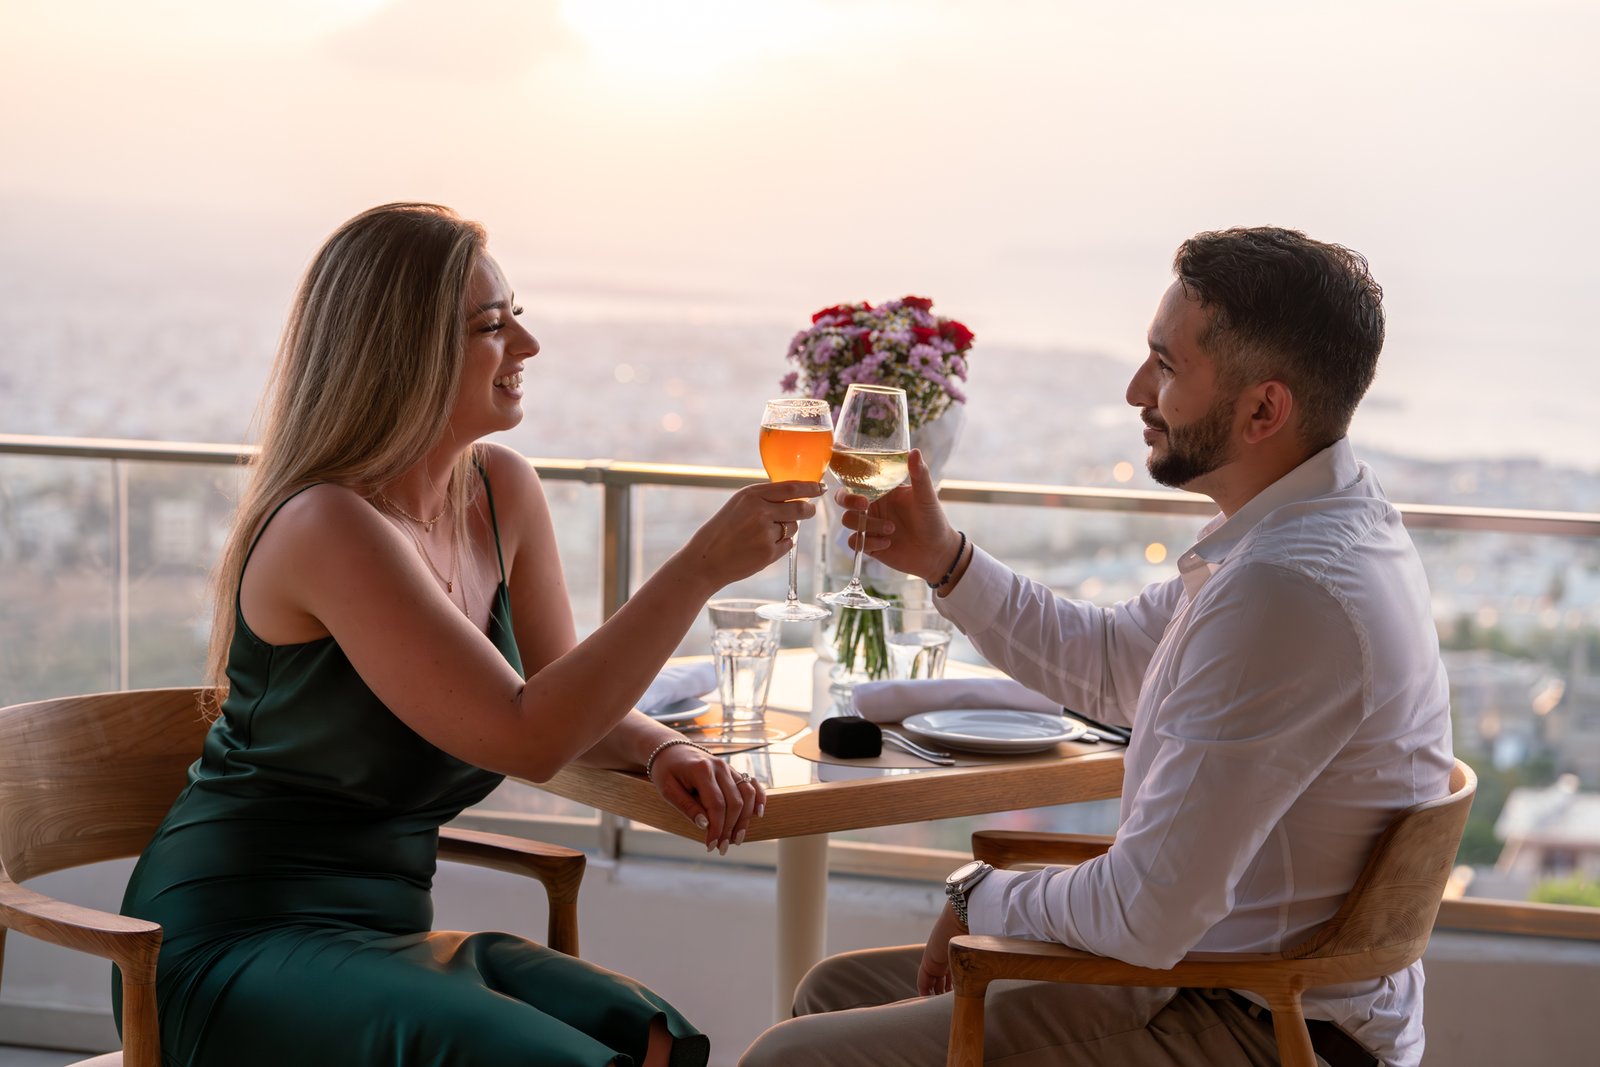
961,882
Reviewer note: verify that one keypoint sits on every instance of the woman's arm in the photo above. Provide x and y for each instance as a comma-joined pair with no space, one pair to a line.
329,555
700,786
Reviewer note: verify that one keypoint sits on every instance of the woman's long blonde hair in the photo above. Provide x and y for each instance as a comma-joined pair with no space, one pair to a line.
365,377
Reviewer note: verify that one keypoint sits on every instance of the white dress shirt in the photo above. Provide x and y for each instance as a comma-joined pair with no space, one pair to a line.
1286,698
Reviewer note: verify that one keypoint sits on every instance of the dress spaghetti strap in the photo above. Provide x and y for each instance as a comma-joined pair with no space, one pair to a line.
256,540
494,523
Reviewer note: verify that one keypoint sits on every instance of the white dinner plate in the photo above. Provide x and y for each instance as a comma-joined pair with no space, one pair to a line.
685,710
993,730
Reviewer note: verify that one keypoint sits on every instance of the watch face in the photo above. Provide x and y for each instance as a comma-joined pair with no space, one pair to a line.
963,872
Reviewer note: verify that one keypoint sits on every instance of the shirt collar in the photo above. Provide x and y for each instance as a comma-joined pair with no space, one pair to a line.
1328,471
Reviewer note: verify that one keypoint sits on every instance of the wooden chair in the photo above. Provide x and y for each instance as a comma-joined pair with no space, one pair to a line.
1381,928
88,778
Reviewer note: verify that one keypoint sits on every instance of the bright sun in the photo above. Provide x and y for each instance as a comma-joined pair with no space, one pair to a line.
687,38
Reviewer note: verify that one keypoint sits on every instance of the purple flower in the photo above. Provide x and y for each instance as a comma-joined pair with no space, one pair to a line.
819,389
958,366
789,381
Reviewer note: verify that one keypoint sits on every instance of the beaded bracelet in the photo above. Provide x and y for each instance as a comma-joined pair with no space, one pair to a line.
650,763
961,550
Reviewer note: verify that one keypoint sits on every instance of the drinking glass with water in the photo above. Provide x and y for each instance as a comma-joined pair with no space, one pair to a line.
744,646
918,640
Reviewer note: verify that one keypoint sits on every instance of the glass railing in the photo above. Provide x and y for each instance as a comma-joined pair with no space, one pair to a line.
105,547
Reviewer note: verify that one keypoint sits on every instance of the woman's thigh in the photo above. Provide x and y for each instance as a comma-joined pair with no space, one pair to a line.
427,1001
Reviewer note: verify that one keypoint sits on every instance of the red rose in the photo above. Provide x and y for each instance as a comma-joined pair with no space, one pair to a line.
922,303
841,311
863,344
924,334
956,334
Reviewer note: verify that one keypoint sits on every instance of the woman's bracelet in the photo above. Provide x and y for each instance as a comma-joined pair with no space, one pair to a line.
650,763
961,550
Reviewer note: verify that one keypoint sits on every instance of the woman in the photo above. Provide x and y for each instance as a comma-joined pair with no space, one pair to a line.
396,636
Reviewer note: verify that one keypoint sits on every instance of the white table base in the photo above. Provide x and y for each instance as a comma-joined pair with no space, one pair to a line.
802,915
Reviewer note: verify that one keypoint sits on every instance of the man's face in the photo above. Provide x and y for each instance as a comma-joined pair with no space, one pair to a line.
1188,417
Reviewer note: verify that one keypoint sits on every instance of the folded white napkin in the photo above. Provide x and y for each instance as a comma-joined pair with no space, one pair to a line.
677,681
893,701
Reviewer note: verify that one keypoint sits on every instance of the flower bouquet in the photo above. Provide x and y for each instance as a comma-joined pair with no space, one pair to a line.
901,343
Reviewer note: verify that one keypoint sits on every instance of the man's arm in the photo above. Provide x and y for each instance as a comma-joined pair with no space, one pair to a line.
1091,659
1263,690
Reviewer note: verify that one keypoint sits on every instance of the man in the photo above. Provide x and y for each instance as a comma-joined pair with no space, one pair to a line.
1284,690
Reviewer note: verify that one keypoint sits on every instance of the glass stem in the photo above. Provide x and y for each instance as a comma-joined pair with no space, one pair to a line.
855,575
794,567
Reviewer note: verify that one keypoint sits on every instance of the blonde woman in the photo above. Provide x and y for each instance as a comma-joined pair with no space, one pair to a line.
395,633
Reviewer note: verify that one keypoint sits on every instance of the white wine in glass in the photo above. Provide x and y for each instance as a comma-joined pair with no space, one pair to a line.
871,453
796,441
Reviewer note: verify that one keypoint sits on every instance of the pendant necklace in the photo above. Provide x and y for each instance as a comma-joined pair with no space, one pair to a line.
455,556
426,524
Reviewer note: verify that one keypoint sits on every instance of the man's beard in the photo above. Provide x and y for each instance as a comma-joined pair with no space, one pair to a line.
1194,449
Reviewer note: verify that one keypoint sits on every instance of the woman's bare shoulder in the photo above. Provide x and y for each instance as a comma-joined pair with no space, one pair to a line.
508,467
326,509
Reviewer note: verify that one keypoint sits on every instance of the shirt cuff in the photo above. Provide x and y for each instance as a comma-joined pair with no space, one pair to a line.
986,903
976,601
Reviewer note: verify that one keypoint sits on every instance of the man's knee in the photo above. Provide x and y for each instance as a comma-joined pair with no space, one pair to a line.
783,1045
857,980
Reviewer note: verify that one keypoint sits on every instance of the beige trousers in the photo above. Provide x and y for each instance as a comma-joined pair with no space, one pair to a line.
860,1009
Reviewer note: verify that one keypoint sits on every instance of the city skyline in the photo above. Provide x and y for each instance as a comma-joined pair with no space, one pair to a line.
1030,168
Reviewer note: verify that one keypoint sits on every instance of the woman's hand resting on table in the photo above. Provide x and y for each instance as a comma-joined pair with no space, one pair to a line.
712,795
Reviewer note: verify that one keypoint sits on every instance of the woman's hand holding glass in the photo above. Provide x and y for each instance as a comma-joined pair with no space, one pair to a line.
796,442
751,531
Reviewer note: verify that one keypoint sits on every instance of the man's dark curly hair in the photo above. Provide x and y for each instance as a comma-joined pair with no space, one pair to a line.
1289,308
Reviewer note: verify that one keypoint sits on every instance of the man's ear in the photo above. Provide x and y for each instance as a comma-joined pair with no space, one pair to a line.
1267,409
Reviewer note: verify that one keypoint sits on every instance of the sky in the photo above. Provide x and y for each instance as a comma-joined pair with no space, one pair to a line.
1029,164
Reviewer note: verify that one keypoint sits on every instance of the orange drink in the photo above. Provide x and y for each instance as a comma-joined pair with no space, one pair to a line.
795,453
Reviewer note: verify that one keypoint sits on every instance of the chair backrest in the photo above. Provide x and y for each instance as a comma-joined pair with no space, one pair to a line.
89,778
1393,904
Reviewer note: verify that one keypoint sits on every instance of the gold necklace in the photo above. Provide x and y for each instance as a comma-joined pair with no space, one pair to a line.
455,567
426,524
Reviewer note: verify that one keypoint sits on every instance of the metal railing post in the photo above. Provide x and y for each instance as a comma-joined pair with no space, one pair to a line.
120,584
616,585
616,556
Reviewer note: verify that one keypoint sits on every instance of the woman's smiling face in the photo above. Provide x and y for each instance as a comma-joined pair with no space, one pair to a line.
497,346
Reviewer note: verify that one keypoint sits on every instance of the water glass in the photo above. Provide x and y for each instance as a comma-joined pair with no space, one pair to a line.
918,642
744,646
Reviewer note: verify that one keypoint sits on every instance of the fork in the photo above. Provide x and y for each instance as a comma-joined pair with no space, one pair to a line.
932,755
940,758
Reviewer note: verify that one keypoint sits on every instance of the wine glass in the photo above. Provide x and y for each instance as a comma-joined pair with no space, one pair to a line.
796,440
871,452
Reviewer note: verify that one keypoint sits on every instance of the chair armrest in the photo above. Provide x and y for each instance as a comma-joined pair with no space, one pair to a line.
559,869
1006,848
977,960
132,944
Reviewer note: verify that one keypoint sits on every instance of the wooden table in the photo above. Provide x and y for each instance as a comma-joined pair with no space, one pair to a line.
806,801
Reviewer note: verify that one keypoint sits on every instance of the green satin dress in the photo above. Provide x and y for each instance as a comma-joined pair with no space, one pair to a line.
292,880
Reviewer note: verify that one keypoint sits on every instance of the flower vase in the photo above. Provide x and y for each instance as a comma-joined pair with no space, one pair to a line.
852,638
